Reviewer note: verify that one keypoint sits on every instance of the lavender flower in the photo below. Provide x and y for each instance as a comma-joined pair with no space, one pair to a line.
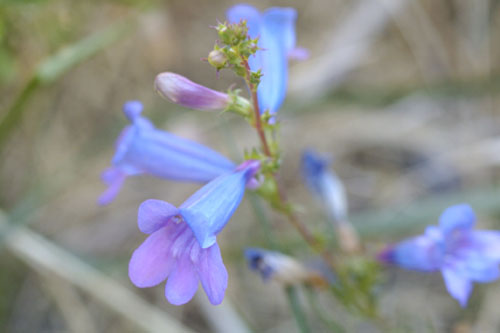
463,255
182,243
276,31
180,90
329,190
143,149
324,184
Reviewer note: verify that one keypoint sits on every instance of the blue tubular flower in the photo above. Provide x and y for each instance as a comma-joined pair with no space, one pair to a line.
276,31
324,184
143,149
463,255
182,245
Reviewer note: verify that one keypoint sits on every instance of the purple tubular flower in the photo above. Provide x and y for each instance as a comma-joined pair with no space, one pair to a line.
182,243
324,184
143,149
275,28
463,255
180,90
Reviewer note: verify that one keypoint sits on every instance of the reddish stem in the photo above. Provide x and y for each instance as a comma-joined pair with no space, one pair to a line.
256,109
301,228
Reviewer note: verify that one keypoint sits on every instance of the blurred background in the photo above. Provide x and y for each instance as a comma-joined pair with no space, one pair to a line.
402,93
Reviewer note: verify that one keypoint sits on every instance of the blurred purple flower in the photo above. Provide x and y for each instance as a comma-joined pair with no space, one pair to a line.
324,184
463,255
180,90
182,243
272,265
143,149
275,28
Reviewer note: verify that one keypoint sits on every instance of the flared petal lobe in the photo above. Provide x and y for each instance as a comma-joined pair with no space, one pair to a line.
459,217
213,274
182,283
458,286
155,214
152,262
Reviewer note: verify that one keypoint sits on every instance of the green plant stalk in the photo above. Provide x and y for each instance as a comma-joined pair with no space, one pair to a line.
332,325
296,307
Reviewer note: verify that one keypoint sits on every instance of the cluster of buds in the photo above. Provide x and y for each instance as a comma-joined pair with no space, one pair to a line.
235,50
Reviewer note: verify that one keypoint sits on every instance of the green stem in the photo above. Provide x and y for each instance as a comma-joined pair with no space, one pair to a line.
296,307
332,325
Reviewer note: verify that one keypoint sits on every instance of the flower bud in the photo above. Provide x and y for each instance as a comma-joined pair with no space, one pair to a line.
217,58
281,268
182,91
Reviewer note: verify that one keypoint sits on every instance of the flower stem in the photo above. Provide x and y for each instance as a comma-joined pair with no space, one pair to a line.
296,307
313,242
256,110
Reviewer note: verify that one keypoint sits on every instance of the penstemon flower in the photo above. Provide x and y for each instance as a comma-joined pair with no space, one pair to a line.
182,91
463,255
324,184
182,243
275,29
143,149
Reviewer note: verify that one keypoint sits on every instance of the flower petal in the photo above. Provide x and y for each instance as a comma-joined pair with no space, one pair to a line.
213,274
487,243
208,210
298,53
458,217
418,253
154,214
180,90
182,283
152,262
280,22
114,178
458,286
277,34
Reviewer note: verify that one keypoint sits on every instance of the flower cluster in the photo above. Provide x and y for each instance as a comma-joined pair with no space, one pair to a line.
181,246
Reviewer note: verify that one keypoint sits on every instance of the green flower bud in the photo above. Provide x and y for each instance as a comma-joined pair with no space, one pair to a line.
217,58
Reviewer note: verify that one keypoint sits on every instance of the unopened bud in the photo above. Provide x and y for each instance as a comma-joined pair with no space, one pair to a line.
182,91
217,58
281,268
